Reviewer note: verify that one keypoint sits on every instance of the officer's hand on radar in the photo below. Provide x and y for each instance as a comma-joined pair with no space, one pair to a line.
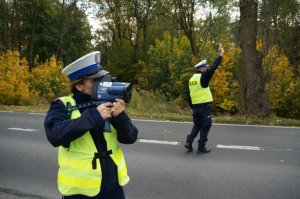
119,107
221,49
105,110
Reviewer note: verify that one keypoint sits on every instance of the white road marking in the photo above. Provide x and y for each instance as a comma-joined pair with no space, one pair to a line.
254,148
239,147
37,113
158,142
21,129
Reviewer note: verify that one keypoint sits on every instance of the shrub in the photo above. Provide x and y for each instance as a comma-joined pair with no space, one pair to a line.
20,87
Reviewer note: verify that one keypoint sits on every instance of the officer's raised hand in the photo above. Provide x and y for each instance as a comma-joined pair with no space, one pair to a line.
221,49
105,110
119,107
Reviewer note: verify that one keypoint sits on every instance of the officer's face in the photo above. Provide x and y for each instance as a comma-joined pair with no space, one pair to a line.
202,69
86,87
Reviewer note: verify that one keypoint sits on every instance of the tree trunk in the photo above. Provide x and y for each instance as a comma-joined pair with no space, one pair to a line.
186,12
31,37
12,26
254,101
194,48
66,17
4,17
266,26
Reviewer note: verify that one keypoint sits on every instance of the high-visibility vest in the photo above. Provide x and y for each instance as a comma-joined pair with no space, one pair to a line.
76,174
197,92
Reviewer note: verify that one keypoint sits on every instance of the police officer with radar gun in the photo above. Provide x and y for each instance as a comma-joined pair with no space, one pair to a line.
200,100
87,126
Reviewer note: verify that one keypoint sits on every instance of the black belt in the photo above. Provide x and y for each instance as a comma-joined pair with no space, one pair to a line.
101,155
202,105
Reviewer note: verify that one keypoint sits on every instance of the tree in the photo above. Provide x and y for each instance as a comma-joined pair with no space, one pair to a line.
254,100
39,29
65,23
4,24
186,9
74,39
279,25
31,10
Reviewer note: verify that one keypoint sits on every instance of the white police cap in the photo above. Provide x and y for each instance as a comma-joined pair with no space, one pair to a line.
201,64
87,66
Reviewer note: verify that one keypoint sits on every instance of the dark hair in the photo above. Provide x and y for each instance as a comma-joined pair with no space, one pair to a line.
81,81
76,82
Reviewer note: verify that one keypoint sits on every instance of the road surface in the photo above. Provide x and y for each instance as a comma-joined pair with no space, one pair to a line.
246,161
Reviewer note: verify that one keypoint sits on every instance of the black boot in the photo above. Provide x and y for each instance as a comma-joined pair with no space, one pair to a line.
203,150
189,147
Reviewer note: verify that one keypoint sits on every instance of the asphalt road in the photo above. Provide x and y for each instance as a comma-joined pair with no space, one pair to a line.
246,161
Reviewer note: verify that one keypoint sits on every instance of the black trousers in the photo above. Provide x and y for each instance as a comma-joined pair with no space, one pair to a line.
115,193
202,123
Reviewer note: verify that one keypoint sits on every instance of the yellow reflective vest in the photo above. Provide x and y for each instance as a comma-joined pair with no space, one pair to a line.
76,174
197,92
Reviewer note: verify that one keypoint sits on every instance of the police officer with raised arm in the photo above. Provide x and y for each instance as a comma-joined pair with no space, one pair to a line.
200,100
91,163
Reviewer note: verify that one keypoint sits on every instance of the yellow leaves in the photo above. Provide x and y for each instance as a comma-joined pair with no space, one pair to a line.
13,75
223,84
228,105
259,45
19,87
282,87
48,80
53,63
6,91
281,68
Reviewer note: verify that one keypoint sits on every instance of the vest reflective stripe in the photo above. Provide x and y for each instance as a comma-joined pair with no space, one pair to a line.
75,174
197,92
76,164
78,182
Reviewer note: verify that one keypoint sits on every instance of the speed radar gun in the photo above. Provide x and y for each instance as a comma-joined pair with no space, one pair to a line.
108,90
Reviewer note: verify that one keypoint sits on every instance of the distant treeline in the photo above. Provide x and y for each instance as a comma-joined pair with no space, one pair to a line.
154,44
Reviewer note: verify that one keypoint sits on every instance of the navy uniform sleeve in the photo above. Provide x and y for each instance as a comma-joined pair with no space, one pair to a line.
61,130
206,76
189,100
127,132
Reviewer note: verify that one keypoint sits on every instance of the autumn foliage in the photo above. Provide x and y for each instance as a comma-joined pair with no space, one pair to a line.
20,87
171,65
167,73
283,87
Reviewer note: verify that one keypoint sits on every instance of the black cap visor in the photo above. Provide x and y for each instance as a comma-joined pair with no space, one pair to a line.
98,74
94,74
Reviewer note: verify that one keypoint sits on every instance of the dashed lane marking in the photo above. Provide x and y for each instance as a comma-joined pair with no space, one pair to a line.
174,143
21,129
158,142
37,113
253,148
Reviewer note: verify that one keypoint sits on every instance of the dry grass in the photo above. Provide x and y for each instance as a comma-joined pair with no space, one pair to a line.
153,106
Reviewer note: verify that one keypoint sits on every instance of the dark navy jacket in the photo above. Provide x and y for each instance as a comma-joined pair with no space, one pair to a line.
61,130
204,80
